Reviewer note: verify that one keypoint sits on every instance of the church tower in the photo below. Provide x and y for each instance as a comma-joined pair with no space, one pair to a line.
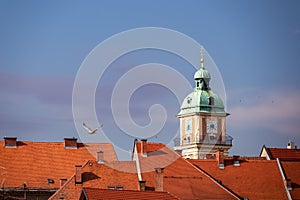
202,120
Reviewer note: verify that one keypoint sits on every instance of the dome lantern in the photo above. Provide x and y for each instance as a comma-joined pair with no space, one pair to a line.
202,76
202,99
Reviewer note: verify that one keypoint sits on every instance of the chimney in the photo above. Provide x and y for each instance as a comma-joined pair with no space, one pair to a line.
100,157
159,179
288,183
142,185
10,142
220,158
291,145
144,147
62,181
78,178
70,143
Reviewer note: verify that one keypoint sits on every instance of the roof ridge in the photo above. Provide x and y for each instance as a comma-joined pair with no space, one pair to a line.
207,175
67,182
153,143
60,142
62,187
149,191
213,180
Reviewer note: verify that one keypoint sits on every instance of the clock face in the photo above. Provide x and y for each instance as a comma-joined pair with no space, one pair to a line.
211,126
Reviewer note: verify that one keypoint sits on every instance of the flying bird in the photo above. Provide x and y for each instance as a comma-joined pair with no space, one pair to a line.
89,130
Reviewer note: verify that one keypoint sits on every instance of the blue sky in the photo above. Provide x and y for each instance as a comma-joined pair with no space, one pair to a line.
255,44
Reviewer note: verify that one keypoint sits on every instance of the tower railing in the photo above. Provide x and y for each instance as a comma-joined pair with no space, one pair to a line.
227,140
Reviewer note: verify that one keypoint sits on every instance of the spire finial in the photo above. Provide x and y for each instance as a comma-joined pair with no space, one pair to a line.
202,57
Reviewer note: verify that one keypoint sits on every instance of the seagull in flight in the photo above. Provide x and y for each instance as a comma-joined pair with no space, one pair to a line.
89,130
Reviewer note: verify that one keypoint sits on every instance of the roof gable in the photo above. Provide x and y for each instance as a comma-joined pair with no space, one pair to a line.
101,176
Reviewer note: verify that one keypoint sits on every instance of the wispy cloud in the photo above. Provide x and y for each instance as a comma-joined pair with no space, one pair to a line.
297,31
35,108
54,90
275,111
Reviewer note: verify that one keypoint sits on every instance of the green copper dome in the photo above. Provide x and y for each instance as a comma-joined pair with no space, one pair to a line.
202,101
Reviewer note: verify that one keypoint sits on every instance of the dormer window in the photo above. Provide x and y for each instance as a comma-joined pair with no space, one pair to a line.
115,187
50,181
119,188
236,163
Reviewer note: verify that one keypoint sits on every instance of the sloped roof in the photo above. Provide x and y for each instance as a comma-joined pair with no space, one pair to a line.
151,146
33,163
253,179
180,177
284,153
292,171
104,194
99,176
158,156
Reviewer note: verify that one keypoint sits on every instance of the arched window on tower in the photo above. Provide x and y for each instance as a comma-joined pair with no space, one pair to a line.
211,101
188,127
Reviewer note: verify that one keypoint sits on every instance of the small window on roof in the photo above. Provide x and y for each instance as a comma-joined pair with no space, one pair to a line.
50,181
236,163
119,188
111,187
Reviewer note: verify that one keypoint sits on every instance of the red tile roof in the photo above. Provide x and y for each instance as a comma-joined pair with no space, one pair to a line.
99,176
102,194
284,153
292,171
161,157
180,177
253,179
34,163
151,146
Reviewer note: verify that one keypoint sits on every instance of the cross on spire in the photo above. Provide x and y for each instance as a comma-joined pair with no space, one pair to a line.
202,57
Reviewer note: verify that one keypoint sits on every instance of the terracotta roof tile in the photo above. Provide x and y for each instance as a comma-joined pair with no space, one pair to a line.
109,176
292,171
180,177
151,146
99,176
34,163
253,179
102,194
162,157
283,153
